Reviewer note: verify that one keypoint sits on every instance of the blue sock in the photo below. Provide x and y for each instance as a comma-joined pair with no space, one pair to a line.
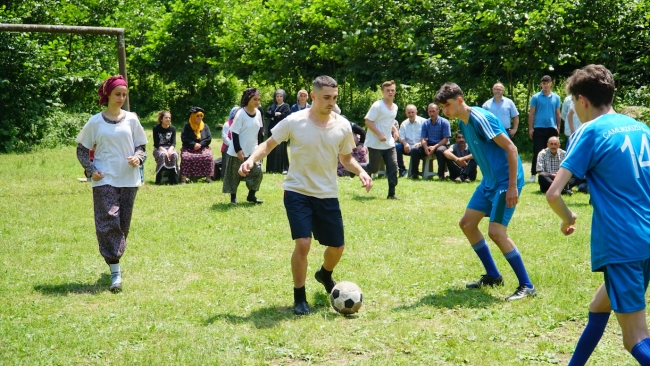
483,251
517,264
589,338
642,352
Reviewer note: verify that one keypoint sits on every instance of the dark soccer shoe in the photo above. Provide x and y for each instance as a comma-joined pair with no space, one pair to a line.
329,285
521,292
301,308
486,281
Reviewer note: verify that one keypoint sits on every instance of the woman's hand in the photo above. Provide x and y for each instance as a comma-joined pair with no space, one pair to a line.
197,146
97,175
134,161
240,155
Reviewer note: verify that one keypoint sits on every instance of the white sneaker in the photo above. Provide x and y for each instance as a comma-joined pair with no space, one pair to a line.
531,179
116,282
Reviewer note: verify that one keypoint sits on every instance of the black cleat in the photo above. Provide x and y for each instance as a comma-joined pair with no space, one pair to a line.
486,281
301,308
521,292
254,200
329,285
393,197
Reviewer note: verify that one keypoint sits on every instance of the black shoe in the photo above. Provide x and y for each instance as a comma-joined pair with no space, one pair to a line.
486,281
393,197
254,200
567,191
521,292
329,285
403,173
301,308
234,202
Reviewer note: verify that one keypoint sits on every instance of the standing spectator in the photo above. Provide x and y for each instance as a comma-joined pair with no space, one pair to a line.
164,153
543,120
462,166
504,109
571,120
196,155
609,150
278,160
311,187
380,139
435,135
409,136
498,193
119,141
302,102
226,137
247,132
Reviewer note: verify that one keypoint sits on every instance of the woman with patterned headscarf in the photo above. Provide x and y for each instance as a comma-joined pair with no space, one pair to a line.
278,159
196,155
119,141
246,130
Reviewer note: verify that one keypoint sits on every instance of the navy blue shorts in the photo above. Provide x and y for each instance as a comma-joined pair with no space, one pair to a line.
321,216
626,284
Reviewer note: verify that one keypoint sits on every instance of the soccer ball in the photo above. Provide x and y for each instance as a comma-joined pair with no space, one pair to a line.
346,297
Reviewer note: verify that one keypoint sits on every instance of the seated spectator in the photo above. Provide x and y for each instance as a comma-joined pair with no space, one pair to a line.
462,166
165,154
409,137
548,163
435,135
302,102
360,152
196,155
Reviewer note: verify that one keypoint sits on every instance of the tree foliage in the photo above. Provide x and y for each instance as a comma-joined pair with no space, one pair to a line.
204,52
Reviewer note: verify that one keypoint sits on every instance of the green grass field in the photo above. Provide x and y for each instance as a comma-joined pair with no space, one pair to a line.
207,283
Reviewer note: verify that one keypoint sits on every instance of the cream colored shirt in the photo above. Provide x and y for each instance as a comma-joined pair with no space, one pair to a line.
314,153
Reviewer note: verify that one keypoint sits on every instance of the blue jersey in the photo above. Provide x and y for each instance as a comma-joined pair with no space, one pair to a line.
480,130
613,151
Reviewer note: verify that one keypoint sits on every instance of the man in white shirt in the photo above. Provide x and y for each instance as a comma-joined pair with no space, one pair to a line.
311,185
409,137
504,108
380,139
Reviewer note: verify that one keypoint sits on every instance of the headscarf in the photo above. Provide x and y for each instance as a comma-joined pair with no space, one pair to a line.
247,96
231,115
107,87
197,127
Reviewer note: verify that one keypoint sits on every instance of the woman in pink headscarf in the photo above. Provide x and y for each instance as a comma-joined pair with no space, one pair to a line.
119,141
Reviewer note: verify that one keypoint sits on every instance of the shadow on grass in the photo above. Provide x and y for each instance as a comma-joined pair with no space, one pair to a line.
270,316
102,284
360,198
455,298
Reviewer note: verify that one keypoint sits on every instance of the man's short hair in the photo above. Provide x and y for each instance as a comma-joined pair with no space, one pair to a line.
458,133
546,79
386,84
324,80
447,91
411,106
593,82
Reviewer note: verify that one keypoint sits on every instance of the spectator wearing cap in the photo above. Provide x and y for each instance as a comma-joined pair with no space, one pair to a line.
196,155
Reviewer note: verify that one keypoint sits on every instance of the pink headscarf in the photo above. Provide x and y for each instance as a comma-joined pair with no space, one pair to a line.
107,87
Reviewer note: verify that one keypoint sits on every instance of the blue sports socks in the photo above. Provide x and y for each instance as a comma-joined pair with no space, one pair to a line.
589,339
517,264
641,351
483,251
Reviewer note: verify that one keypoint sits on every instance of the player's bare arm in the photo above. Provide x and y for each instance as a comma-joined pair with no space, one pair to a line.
554,199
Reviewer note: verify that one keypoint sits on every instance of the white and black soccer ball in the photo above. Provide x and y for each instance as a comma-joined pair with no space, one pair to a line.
346,297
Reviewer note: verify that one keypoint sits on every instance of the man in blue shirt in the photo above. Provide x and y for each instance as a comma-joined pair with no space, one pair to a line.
612,150
504,108
543,120
498,193
436,132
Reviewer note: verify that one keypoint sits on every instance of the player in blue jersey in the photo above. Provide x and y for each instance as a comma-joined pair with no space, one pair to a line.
613,151
498,193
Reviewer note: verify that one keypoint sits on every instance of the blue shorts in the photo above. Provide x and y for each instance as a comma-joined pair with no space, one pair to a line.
493,203
626,284
322,216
